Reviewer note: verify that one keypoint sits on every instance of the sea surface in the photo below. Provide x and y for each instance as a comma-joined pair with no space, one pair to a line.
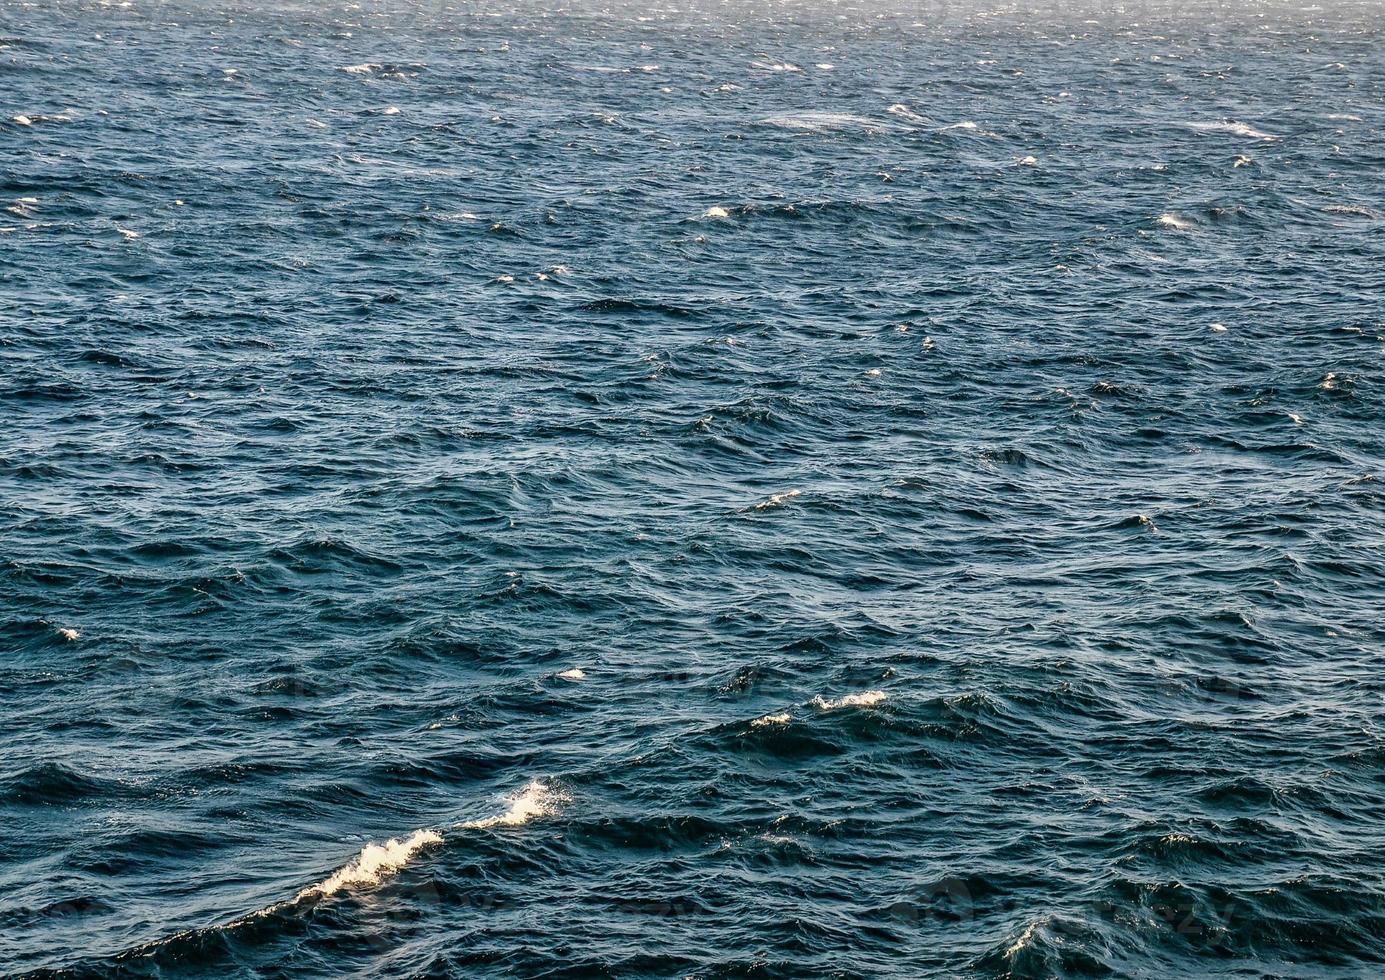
692,490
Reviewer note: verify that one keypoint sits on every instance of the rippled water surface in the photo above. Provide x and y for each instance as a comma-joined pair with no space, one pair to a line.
726,491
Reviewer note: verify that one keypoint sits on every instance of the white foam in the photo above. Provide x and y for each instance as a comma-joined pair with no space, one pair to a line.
865,699
22,120
362,69
1218,328
780,719
537,799
574,674
1235,128
376,861
965,124
777,499
821,121
129,235
1027,161
1173,221
902,110
67,633
716,212
1359,210
391,110
775,66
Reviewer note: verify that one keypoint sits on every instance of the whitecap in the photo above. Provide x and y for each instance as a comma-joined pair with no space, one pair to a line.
1358,210
716,212
820,121
865,699
1028,161
1173,221
775,66
1218,328
573,674
361,69
67,633
376,861
777,499
391,110
965,124
22,120
537,799
902,110
780,719
1235,128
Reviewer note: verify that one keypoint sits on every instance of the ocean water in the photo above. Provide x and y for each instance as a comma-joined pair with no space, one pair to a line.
706,490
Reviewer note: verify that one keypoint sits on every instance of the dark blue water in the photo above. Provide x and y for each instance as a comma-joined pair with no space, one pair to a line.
729,491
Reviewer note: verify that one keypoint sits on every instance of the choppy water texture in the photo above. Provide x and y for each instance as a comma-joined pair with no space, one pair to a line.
720,492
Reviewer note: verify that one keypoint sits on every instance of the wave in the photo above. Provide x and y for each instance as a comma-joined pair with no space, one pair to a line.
375,862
